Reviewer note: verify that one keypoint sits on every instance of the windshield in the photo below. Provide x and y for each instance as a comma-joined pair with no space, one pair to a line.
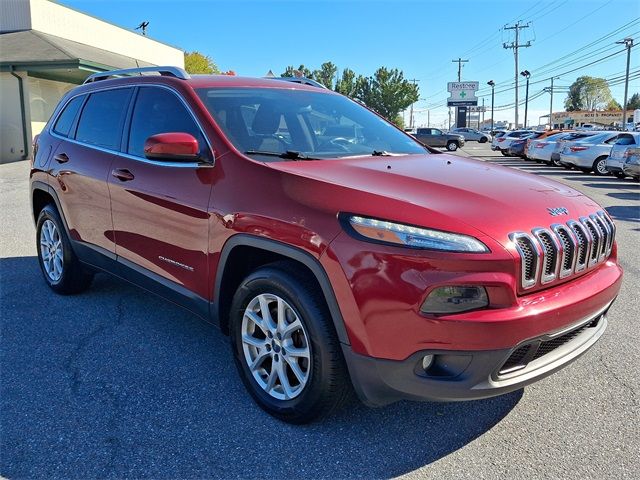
270,121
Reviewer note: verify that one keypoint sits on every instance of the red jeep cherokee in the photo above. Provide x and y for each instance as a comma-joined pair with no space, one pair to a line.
333,248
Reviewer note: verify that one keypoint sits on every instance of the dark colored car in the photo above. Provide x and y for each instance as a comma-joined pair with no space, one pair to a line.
333,249
435,137
516,148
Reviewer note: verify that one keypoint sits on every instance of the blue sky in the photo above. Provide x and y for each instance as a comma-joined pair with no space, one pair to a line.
419,37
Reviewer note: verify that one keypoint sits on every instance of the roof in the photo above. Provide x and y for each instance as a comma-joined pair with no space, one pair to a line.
30,47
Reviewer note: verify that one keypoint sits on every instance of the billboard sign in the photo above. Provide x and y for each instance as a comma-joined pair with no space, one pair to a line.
462,94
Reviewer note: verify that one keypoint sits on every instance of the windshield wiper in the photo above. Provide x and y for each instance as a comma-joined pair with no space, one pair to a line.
288,155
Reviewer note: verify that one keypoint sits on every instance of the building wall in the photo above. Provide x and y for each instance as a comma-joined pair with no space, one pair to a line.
43,97
11,139
15,15
56,19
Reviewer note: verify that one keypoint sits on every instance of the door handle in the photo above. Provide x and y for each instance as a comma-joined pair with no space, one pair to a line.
61,158
122,174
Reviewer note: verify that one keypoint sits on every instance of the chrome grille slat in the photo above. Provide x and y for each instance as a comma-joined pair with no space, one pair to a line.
563,249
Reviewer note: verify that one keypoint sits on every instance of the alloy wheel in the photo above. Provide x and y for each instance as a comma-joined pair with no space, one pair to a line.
276,346
51,250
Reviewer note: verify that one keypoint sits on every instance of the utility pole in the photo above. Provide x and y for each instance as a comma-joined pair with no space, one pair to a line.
483,109
526,74
515,46
628,43
551,104
414,81
459,61
492,84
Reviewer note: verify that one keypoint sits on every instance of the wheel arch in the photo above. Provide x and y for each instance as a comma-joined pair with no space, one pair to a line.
244,253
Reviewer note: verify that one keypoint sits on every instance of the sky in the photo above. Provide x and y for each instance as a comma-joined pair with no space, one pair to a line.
568,38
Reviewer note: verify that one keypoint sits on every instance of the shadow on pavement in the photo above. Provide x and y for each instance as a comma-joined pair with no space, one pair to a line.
629,213
117,383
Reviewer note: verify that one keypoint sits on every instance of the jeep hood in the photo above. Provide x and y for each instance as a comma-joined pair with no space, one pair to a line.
435,190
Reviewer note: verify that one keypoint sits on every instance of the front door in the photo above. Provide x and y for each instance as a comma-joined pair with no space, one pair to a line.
159,208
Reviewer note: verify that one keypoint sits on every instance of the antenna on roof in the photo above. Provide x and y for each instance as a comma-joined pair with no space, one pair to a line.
143,26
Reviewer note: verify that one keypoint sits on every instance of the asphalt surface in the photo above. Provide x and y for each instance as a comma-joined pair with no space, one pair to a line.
117,383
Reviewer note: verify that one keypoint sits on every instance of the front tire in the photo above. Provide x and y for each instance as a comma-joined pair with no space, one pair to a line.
452,146
60,267
285,346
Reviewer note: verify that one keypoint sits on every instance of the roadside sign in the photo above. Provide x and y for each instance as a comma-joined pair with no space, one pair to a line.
462,94
478,109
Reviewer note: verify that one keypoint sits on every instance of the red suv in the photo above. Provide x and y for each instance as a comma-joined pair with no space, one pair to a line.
334,249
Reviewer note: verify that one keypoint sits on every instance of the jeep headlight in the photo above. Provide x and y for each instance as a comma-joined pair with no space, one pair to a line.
411,236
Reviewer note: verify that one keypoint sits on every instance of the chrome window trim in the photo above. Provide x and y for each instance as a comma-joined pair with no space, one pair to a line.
562,272
125,154
526,284
537,233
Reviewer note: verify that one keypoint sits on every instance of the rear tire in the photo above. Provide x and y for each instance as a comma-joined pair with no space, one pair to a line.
266,308
452,146
61,269
600,166
483,140
620,175
505,153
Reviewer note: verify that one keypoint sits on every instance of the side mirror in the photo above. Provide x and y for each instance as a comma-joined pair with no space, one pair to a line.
172,146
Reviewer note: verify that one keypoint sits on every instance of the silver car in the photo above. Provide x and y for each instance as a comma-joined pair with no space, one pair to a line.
567,141
473,134
589,154
631,166
626,146
502,143
541,150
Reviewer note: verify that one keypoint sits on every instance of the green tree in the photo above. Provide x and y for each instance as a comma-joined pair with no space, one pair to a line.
196,62
387,92
613,105
588,93
346,84
301,71
326,74
634,102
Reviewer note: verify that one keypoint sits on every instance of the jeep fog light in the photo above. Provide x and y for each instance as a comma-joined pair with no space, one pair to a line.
455,299
427,360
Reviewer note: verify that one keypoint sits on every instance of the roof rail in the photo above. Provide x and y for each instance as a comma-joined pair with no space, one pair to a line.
301,80
175,72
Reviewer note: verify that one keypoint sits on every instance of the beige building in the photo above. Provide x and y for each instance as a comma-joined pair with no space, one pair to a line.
579,118
47,49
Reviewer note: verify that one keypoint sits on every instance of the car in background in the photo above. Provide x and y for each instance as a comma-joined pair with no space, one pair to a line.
539,136
626,146
589,154
503,142
561,143
473,134
434,137
541,150
631,166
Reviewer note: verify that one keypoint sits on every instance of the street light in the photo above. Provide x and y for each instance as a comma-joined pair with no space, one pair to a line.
527,75
492,84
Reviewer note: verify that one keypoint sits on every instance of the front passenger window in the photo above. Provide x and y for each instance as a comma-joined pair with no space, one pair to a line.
159,111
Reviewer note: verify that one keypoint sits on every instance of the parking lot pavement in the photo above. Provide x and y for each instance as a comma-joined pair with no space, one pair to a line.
117,383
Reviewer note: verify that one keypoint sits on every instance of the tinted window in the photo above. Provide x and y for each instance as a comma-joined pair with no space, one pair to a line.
625,140
159,111
68,115
101,118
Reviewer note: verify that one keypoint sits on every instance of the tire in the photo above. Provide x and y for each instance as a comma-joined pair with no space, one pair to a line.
505,153
452,146
61,269
323,382
600,166
620,175
483,140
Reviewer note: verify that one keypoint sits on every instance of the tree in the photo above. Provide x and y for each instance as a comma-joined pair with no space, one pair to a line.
301,71
613,105
588,93
196,62
387,92
346,84
326,74
634,102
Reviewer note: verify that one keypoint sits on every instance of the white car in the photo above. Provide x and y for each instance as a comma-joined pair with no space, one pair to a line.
541,150
589,154
502,142
473,134
628,144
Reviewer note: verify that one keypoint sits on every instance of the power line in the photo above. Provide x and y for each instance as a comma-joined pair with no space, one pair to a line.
515,46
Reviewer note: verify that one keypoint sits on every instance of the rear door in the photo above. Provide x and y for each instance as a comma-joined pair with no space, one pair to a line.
159,208
82,161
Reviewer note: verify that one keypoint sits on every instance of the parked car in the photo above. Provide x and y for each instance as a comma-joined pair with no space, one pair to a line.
473,134
517,147
541,150
589,154
631,166
568,140
434,137
628,144
370,261
540,135
502,143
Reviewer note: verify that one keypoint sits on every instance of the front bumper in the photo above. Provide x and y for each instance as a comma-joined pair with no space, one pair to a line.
470,375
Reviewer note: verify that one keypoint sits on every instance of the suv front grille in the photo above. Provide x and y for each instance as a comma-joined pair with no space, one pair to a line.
563,249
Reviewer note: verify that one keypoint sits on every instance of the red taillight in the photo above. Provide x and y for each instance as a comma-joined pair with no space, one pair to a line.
577,149
630,151
500,140
542,144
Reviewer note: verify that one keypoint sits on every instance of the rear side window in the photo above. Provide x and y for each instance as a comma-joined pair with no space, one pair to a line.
102,116
68,115
625,140
159,111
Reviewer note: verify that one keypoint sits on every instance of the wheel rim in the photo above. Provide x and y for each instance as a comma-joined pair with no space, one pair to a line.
601,167
276,347
51,250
